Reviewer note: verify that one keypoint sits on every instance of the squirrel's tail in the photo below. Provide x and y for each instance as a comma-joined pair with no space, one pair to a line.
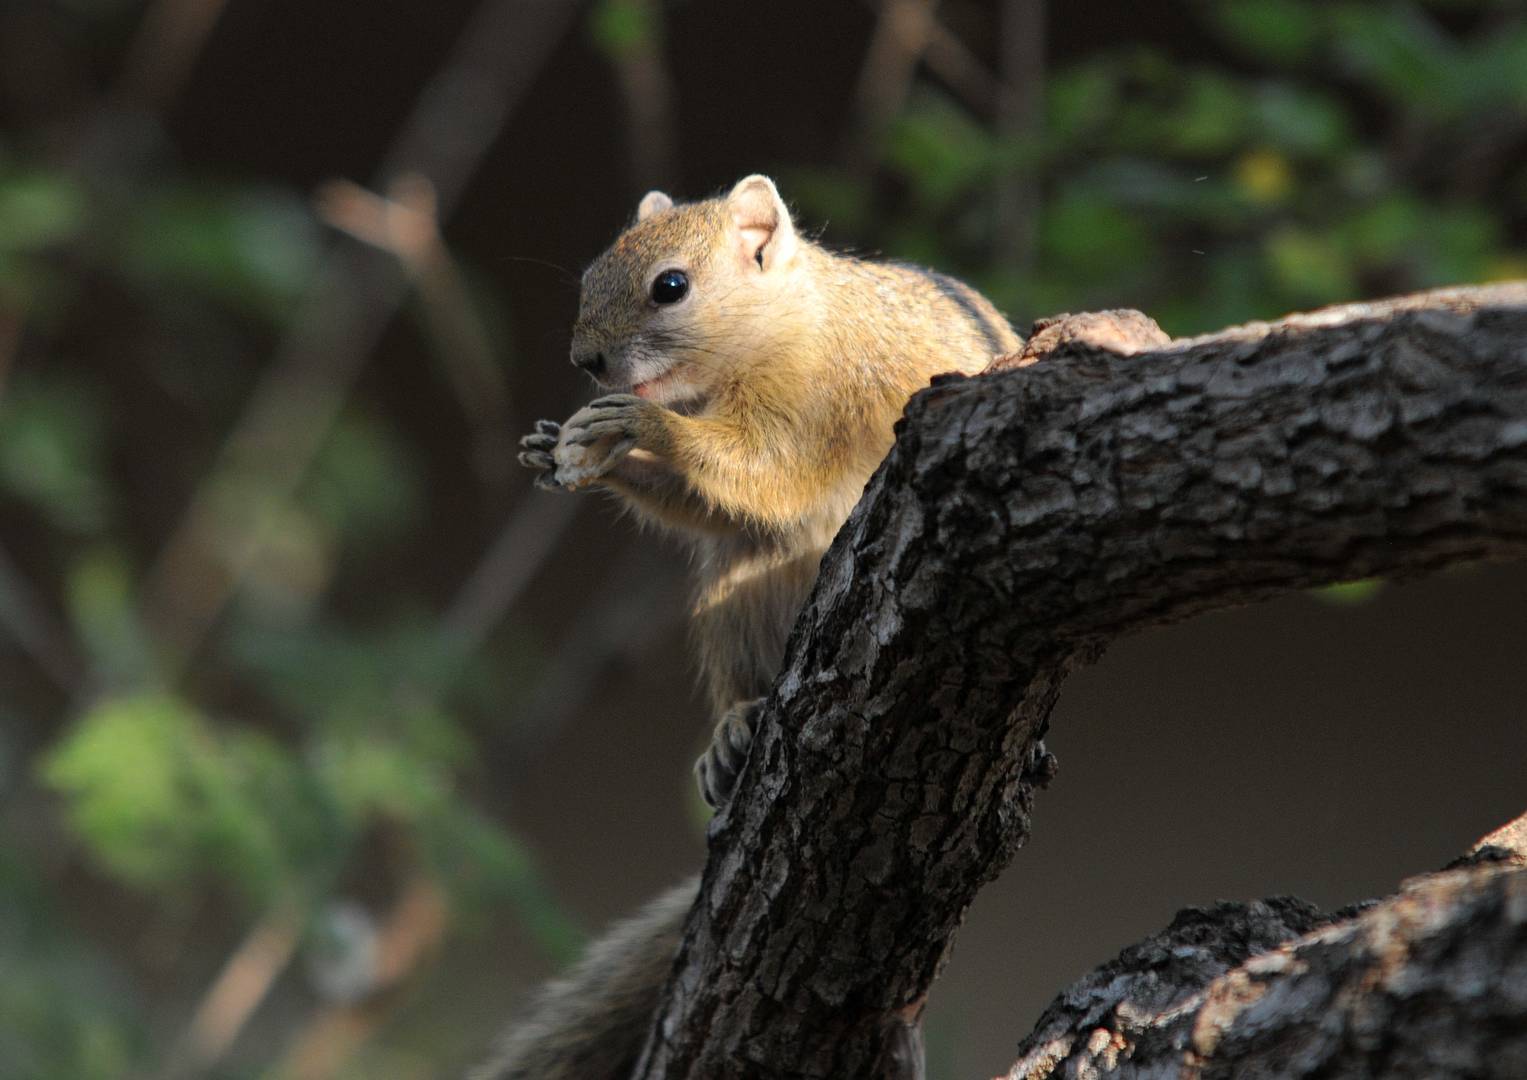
591,1023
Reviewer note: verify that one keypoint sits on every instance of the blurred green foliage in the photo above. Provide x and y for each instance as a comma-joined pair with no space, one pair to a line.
160,797
618,27
64,1013
252,249
37,209
1337,150
1332,150
51,433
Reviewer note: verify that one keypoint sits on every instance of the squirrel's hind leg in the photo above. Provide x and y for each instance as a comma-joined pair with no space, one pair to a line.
718,768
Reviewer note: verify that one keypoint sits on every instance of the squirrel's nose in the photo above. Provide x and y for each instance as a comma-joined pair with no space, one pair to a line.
592,362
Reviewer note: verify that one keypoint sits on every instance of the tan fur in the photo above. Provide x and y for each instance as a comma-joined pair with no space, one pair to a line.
802,369
781,374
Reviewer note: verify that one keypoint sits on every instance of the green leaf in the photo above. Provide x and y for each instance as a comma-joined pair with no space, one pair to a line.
255,250
1461,240
159,797
1230,287
619,27
1264,177
835,201
389,681
940,150
371,776
485,867
1436,244
101,603
123,770
364,485
1349,592
1278,31
1300,121
1080,102
1398,50
38,210
1500,65
1387,230
51,451
1156,192
1309,267
65,1012
1213,116
1086,233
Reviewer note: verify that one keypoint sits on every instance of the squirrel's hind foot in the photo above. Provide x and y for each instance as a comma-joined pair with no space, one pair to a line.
718,768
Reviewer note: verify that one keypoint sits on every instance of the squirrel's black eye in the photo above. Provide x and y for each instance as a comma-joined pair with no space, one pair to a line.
670,287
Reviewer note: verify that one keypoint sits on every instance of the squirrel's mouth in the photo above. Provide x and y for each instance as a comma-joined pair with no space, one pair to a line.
669,388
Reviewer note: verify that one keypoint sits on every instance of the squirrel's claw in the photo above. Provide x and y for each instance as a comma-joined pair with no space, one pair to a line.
541,441
545,466
536,453
595,430
614,416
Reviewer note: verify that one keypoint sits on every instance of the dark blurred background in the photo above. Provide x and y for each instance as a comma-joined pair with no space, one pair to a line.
323,737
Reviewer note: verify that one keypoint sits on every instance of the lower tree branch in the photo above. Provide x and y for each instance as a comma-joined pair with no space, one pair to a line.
1431,982
1023,521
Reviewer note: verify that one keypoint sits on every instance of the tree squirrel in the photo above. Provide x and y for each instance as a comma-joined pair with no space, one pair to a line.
757,378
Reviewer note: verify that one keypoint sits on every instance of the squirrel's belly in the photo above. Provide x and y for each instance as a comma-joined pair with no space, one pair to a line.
745,605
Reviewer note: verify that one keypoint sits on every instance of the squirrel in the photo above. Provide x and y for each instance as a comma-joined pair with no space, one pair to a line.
756,378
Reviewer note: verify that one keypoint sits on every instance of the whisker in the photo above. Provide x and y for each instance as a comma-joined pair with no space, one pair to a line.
568,276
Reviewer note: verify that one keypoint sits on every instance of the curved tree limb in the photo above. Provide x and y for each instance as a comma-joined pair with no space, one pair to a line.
1023,521
1430,982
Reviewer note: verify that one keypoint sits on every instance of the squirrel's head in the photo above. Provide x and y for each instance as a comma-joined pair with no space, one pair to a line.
685,292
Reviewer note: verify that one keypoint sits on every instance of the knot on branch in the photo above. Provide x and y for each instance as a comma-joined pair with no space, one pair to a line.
1122,330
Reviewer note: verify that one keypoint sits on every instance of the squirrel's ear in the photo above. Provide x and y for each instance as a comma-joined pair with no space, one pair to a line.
654,202
765,233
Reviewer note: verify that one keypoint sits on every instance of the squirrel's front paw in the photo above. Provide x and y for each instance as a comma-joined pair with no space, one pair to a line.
536,453
718,768
614,416
597,436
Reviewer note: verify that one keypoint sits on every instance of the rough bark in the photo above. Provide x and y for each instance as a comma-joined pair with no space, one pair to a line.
1431,982
1024,520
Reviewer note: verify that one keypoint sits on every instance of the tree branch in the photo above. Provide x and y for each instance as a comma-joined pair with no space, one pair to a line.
1023,521
1431,982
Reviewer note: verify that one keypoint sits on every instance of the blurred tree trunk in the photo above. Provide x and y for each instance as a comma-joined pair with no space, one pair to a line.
1023,521
1020,115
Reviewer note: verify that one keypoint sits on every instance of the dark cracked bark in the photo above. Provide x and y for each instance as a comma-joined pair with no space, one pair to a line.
1023,521
1431,982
